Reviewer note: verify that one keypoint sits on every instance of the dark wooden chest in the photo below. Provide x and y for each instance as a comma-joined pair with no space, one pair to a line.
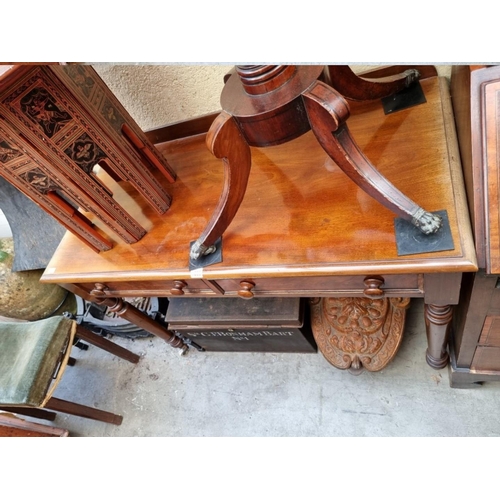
231,324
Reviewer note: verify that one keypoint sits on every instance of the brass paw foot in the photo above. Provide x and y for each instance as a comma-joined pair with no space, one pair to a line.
427,222
199,250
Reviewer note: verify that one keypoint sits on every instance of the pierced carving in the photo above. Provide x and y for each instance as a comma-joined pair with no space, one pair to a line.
357,333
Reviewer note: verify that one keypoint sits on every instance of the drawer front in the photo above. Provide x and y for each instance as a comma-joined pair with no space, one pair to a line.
312,286
486,359
163,288
490,334
487,353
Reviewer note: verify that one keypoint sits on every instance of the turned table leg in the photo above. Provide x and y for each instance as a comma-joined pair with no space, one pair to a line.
135,316
442,291
437,325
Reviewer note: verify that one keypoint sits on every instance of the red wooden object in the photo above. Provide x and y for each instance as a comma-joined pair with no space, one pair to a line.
270,105
59,122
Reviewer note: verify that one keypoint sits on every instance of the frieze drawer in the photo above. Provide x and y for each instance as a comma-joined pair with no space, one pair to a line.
373,286
161,288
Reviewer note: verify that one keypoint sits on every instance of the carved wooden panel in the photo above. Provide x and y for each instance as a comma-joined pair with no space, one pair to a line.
59,123
358,333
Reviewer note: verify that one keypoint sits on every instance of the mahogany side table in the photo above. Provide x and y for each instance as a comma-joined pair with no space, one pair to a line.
57,123
331,239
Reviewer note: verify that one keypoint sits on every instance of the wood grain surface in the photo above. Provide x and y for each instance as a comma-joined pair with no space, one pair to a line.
301,215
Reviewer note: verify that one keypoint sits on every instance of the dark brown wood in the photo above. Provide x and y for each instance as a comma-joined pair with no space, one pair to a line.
476,99
83,411
437,323
475,92
135,316
327,112
31,412
477,301
353,86
178,288
182,129
246,288
106,345
225,141
374,287
58,123
443,289
304,229
426,71
265,105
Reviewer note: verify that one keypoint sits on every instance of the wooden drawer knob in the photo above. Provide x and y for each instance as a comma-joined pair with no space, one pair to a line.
178,288
246,289
372,287
99,290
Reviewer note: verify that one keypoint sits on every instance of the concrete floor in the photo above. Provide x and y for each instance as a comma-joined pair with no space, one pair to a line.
266,394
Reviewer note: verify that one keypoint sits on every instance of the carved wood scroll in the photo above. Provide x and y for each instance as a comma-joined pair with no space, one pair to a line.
357,333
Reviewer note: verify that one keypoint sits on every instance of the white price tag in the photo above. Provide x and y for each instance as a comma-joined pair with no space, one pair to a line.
197,273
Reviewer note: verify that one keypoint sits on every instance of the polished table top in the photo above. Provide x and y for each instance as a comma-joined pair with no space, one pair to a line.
301,215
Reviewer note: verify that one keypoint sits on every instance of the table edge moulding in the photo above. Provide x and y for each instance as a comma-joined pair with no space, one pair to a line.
331,240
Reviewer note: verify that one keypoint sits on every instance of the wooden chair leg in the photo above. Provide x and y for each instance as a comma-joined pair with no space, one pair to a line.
31,412
106,345
83,411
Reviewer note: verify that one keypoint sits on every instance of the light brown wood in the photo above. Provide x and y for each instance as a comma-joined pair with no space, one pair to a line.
304,228
301,216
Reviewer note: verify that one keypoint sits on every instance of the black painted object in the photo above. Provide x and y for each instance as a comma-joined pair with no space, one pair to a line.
270,324
410,240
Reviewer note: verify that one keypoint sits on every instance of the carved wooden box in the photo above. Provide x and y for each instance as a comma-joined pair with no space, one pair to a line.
58,126
231,324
